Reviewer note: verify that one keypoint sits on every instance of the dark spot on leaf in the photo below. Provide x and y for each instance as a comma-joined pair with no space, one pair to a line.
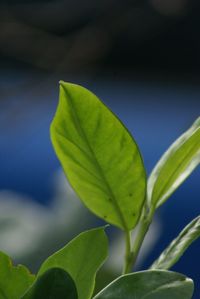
110,199
134,214
122,141
130,194
105,217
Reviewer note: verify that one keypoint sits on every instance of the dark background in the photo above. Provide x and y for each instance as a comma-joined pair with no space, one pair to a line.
142,37
141,57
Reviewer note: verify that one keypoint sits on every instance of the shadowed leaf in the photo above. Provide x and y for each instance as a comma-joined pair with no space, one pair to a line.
81,258
53,284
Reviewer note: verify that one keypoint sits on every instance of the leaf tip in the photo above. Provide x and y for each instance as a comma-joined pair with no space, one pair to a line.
63,85
61,82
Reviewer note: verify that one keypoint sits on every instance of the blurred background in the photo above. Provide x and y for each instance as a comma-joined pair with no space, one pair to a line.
142,58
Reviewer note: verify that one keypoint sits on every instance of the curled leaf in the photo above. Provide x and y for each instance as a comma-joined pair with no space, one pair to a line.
178,246
182,157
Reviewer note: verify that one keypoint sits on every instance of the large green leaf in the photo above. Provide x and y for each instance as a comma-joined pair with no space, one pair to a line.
154,284
175,166
178,246
99,157
53,284
14,281
81,258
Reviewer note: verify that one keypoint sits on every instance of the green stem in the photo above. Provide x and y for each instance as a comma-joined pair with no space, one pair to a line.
131,255
128,254
143,229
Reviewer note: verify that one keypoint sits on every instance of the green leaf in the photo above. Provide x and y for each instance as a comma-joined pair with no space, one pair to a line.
14,281
178,246
53,284
99,157
154,284
81,258
182,157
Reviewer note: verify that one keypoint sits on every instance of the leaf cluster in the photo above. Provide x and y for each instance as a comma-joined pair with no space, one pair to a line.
104,165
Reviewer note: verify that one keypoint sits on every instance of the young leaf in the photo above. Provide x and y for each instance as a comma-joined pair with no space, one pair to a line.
178,246
53,284
81,258
99,157
14,281
154,284
174,166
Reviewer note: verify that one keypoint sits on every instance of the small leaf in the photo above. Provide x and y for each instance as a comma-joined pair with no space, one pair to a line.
154,284
178,246
81,258
14,281
53,284
182,157
99,157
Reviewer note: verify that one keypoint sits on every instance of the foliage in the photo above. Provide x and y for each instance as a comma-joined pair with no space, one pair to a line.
178,246
54,283
149,285
104,166
81,258
14,281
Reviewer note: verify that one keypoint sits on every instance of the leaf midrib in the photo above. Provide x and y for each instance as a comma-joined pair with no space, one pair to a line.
84,136
74,160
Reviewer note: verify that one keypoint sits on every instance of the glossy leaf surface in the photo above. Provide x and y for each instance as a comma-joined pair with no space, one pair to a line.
178,246
81,258
149,285
53,284
99,157
14,281
175,166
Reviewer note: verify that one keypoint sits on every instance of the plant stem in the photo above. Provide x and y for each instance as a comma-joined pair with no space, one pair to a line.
143,229
128,254
131,255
